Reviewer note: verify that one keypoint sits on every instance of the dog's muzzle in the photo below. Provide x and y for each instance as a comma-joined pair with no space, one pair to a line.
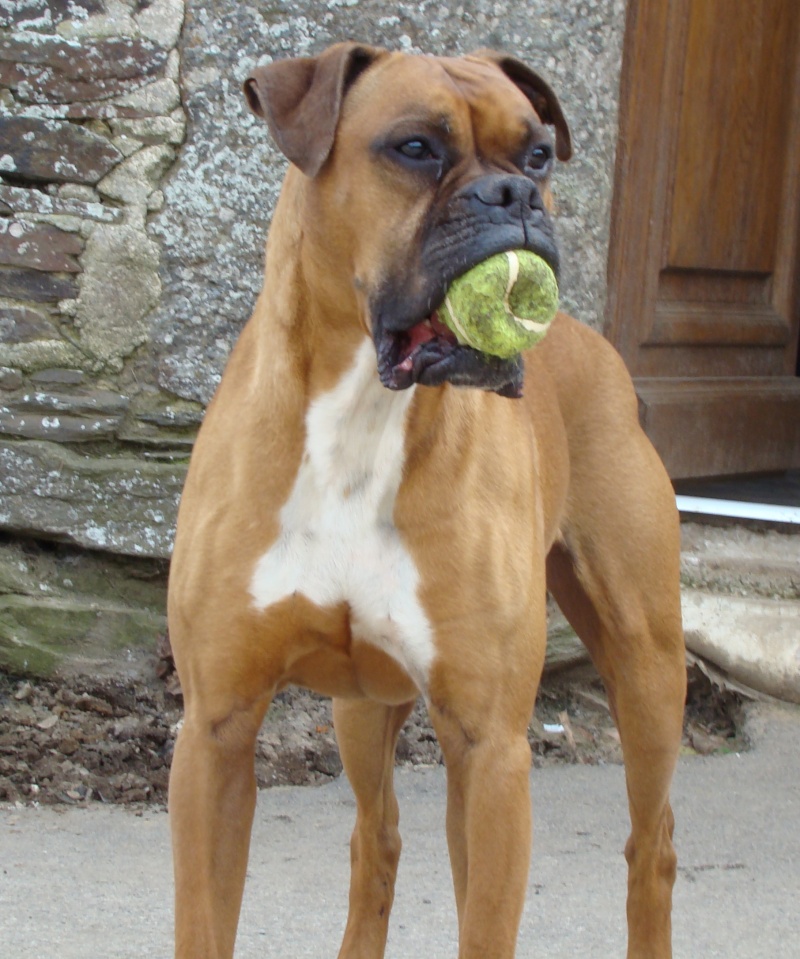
490,215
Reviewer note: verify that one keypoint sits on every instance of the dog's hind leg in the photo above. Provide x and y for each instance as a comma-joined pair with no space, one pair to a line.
616,578
367,735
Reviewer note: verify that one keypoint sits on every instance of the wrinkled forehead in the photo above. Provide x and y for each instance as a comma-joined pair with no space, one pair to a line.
467,98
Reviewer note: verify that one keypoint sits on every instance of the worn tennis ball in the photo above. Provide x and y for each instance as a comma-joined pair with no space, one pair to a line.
503,305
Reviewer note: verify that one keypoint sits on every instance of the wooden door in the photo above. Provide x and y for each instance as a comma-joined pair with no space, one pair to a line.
704,269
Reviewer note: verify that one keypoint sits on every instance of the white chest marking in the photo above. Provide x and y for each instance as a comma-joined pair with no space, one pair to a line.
338,542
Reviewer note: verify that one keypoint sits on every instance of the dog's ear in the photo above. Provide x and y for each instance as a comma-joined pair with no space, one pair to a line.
301,98
540,93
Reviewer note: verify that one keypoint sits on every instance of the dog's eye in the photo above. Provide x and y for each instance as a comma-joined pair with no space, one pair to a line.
415,149
539,158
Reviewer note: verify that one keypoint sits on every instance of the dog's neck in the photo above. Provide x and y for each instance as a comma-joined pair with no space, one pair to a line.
322,330
355,437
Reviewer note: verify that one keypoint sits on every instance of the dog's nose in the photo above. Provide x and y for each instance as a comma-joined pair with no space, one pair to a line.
511,193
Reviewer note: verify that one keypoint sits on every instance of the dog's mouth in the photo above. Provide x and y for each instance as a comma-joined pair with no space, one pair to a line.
429,353
426,342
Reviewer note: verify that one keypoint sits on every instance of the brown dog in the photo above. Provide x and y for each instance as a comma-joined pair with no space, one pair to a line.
370,513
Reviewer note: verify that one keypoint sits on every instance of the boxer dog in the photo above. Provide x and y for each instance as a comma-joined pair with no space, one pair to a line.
376,512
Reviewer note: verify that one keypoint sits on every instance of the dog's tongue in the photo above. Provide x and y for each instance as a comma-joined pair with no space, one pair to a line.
420,334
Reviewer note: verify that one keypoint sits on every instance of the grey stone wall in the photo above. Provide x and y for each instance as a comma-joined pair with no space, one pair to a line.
91,121
135,196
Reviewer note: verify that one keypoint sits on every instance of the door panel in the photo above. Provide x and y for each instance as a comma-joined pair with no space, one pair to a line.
734,119
703,267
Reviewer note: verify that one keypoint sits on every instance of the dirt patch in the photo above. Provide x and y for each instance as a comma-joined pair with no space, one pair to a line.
80,742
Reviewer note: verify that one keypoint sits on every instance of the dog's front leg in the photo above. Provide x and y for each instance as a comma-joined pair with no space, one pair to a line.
212,802
489,835
481,721
367,735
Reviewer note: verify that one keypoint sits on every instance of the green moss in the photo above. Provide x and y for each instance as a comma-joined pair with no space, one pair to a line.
44,637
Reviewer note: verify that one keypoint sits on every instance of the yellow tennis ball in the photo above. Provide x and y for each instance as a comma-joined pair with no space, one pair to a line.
503,305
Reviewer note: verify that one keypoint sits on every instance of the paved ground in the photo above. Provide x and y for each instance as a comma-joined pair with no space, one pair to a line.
89,882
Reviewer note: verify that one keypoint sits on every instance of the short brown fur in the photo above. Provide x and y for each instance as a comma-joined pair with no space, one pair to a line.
500,499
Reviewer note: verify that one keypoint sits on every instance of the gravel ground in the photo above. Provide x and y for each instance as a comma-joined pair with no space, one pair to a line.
80,742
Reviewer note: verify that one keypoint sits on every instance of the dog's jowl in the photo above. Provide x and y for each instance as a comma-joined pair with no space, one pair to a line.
376,512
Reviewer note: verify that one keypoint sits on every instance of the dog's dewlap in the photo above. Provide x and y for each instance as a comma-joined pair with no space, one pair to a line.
503,305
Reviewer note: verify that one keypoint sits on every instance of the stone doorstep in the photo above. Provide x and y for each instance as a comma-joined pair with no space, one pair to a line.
756,641
739,560
741,604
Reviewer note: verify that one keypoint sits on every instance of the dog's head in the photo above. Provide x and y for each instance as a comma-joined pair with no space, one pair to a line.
416,169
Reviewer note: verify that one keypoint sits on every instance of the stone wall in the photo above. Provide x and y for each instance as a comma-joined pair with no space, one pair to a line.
135,194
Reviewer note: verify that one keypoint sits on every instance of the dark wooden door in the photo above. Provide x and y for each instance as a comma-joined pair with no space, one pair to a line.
704,269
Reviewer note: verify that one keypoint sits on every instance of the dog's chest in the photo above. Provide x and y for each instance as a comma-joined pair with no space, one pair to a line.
338,542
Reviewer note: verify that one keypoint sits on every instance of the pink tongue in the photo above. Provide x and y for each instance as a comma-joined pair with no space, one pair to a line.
417,335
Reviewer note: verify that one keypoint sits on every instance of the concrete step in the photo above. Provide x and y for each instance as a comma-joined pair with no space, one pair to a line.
735,560
741,604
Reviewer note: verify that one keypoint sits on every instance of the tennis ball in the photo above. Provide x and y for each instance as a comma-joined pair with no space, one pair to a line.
503,305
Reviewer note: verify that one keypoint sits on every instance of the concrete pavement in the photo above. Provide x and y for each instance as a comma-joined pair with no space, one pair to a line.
92,882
